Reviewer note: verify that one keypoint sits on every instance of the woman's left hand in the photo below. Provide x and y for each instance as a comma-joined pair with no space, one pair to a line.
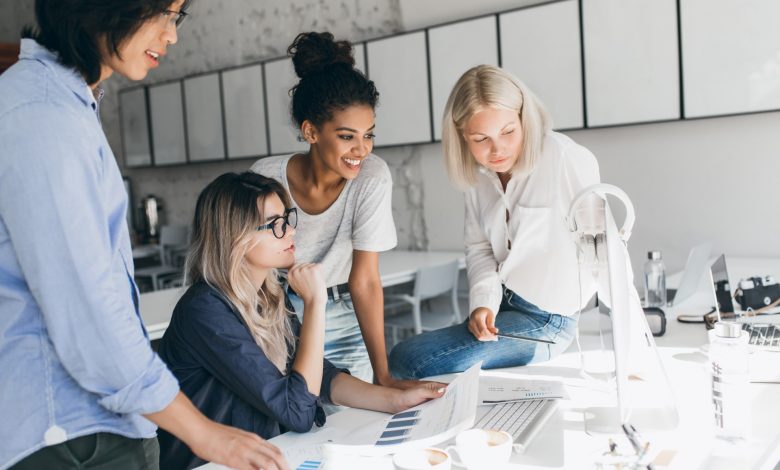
405,399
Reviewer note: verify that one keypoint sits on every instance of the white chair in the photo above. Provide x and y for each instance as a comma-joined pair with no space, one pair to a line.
429,282
172,238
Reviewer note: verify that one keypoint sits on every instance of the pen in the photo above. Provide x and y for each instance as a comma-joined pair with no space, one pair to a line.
636,442
525,338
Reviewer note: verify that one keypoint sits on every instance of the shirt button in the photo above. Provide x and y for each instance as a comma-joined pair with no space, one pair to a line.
55,435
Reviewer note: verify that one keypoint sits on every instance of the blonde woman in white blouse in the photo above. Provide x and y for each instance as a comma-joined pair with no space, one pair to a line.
519,179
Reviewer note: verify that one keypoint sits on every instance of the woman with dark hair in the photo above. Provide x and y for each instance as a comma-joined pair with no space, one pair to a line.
81,385
343,195
238,350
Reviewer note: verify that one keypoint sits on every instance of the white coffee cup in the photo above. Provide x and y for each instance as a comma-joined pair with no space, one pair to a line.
481,448
422,459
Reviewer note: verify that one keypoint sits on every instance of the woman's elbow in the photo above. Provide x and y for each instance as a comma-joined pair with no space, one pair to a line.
301,424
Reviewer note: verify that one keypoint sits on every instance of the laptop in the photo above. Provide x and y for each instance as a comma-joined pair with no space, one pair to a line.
695,267
764,330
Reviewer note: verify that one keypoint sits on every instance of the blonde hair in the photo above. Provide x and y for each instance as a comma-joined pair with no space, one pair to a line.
227,214
486,86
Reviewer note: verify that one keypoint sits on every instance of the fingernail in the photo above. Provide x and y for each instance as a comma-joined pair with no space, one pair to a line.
441,390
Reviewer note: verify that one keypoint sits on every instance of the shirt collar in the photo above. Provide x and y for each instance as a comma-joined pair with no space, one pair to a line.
30,49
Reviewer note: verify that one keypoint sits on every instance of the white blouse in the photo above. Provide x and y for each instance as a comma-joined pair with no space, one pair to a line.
541,265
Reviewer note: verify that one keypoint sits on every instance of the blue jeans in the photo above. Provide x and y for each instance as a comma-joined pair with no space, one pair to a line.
455,349
344,345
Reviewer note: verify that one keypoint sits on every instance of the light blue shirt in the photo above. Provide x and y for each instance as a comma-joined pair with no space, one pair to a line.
74,356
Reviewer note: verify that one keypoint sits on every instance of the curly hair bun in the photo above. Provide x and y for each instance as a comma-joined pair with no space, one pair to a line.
313,52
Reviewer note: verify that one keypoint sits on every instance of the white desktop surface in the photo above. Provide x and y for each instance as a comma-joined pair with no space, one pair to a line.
563,442
395,267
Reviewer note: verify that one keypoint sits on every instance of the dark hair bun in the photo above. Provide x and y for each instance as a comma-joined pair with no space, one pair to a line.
313,52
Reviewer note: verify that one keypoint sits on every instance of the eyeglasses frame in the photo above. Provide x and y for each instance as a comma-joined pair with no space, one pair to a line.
271,223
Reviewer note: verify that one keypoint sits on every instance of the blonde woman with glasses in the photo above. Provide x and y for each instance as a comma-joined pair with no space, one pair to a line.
519,179
234,343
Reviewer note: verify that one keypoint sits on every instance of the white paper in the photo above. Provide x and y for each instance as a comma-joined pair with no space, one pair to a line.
307,453
433,422
503,389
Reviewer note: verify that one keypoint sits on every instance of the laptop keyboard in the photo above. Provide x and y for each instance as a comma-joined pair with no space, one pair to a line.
763,335
521,419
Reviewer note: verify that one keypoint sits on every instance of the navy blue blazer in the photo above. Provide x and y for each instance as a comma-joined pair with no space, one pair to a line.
228,377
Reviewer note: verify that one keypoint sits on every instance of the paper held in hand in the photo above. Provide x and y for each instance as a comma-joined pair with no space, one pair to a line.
424,425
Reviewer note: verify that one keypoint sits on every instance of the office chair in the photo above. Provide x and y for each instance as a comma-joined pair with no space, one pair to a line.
172,238
429,282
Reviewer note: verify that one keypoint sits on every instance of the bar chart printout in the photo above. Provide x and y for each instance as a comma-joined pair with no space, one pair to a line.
424,425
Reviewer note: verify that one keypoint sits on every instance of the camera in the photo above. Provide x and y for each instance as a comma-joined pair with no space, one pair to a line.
756,293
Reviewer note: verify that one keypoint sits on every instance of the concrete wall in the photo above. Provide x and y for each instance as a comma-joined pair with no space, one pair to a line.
712,179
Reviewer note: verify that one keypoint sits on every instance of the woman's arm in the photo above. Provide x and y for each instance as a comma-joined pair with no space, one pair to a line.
306,279
484,283
365,287
350,391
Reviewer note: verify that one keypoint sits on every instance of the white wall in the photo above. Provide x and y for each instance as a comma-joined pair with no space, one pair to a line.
714,179
710,179
690,181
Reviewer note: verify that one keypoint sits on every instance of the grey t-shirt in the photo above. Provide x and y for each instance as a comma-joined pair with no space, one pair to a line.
360,219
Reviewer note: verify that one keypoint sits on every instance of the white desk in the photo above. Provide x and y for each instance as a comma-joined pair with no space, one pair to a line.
563,442
395,267
398,266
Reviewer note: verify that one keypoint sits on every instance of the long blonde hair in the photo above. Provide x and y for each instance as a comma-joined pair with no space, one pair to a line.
487,86
227,214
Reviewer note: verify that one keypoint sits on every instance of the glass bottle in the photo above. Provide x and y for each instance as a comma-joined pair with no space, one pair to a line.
655,280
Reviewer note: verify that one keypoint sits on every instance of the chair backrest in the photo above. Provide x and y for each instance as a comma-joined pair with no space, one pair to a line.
172,236
436,280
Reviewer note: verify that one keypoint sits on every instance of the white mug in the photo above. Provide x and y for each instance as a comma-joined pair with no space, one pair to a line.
422,459
481,448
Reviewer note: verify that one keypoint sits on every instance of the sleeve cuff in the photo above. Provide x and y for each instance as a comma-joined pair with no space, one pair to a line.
378,248
328,374
151,392
480,298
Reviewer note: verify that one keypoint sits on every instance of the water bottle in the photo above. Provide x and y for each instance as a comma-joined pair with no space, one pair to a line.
655,280
730,381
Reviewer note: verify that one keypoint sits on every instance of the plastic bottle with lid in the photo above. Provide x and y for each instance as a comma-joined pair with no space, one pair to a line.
729,371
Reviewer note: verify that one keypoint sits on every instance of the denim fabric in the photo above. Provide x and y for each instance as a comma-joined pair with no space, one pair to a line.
344,346
229,378
74,357
455,349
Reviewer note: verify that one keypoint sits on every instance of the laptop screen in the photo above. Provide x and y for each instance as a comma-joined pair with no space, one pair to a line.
721,286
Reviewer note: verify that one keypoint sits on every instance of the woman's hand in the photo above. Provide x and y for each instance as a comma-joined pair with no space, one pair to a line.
307,281
424,391
482,324
390,381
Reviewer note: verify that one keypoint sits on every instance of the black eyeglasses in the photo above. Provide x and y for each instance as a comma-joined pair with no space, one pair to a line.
278,225
176,18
